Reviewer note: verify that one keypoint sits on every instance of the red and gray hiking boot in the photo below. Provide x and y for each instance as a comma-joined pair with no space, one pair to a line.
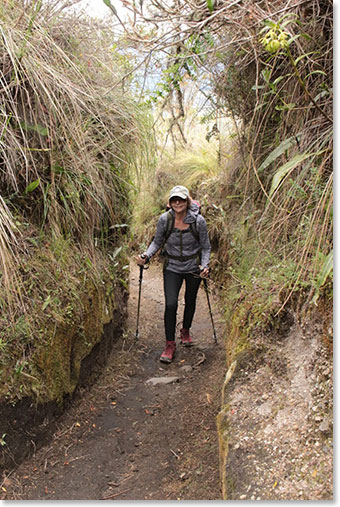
186,338
169,352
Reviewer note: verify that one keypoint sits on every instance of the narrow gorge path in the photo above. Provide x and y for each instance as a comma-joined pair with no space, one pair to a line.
129,437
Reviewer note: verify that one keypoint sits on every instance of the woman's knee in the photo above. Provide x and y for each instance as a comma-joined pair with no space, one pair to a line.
171,305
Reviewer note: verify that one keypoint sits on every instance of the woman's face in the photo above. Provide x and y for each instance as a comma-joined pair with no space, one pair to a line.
178,204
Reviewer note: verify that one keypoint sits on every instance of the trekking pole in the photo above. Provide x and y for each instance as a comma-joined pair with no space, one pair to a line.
141,269
205,281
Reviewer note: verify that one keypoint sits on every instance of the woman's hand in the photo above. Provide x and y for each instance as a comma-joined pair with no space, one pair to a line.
142,259
204,273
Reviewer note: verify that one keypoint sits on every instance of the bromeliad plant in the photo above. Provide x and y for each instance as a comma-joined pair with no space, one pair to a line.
275,37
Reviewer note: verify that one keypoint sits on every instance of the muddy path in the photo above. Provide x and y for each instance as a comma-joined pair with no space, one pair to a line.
128,439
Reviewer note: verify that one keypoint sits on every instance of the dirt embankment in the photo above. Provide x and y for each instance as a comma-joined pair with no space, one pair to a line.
276,425
26,425
128,439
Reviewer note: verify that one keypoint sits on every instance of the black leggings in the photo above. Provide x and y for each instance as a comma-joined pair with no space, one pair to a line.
172,285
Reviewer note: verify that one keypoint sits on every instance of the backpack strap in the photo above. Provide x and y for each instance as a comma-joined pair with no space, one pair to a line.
184,258
170,222
194,231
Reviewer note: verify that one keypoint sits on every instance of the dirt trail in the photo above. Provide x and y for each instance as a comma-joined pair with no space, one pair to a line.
127,439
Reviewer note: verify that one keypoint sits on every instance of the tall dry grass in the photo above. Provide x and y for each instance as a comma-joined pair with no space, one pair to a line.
69,129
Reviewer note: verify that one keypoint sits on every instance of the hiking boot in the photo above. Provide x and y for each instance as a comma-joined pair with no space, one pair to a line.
169,352
186,338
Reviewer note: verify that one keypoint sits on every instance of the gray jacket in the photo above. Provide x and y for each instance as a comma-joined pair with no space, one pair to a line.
183,243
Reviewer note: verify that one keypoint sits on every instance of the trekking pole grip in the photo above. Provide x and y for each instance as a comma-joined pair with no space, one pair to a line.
142,266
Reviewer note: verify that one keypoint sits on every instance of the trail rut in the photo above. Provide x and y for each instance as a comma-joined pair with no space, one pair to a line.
127,439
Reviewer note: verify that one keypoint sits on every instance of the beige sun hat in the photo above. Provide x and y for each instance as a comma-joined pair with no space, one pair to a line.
179,191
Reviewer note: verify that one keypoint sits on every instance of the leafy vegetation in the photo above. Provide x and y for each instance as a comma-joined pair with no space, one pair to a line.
288,131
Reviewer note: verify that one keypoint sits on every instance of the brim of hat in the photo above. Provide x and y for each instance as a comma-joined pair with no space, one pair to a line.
178,194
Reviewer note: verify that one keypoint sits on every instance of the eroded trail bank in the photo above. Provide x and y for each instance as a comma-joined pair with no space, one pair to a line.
276,424
128,439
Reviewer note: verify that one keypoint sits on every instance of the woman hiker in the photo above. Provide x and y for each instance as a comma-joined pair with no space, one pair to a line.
182,232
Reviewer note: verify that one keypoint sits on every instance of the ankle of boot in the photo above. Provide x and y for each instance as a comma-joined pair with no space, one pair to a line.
185,332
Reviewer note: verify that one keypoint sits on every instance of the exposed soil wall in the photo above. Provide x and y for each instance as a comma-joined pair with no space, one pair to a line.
27,425
275,424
